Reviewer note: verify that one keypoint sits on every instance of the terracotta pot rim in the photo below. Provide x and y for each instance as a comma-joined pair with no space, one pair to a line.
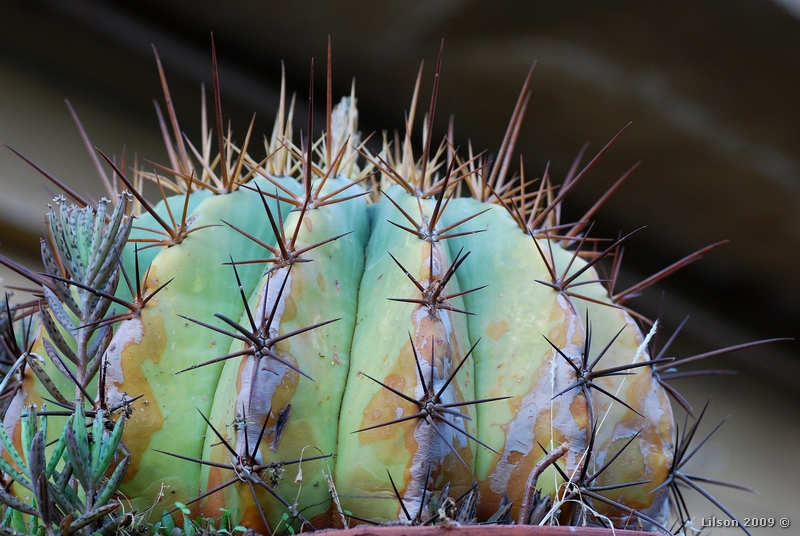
484,530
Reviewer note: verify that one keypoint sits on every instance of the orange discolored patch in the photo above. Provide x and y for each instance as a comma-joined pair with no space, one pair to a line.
321,281
25,396
383,408
216,501
146,418
579,409
495,330
251,518
290,310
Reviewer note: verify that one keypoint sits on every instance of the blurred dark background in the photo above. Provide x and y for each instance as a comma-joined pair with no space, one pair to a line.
712,89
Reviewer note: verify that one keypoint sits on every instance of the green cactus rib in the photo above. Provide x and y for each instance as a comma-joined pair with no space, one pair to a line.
293,404
403,345
148,350
627,408
511,316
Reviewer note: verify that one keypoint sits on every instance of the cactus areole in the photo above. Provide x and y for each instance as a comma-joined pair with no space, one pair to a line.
336,334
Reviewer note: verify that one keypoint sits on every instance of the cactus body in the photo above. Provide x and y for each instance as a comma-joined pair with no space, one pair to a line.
339,388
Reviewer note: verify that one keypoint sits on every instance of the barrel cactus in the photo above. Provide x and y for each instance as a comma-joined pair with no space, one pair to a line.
333,335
